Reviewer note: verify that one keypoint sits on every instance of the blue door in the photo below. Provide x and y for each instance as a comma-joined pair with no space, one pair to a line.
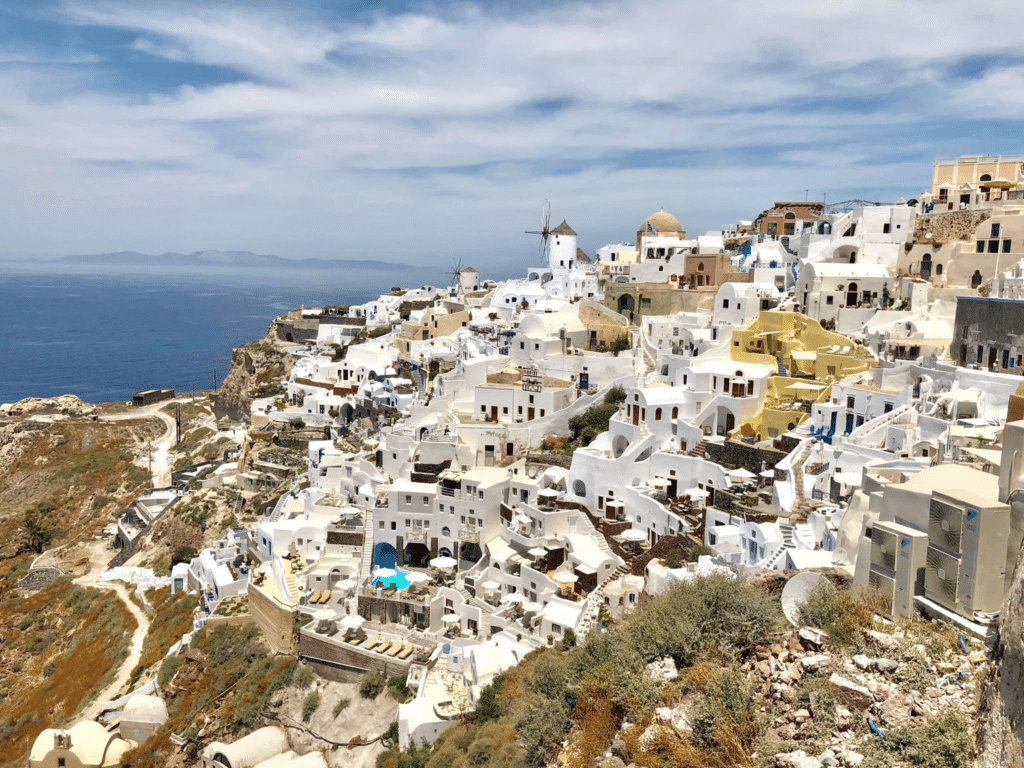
849,424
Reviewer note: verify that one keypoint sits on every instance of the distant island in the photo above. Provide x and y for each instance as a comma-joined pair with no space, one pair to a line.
134,261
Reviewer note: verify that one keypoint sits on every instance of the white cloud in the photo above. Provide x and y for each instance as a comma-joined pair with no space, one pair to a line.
331,122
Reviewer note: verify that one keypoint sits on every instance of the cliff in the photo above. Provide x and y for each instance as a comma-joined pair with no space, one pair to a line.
1001,741
256,369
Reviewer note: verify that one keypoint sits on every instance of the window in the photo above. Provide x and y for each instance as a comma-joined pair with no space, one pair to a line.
657,414
504,410
645,302
980,247
725,303
993,246
394,525
995,231
380,526
408,499
522,345
426,501
531,399
849,403
829,300
1006,248
886,229
887,408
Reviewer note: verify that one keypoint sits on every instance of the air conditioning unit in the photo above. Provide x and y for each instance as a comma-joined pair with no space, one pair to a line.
898,555
942,578
885,586
981,548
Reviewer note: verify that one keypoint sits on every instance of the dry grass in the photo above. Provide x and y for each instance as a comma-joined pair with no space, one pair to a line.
60,645
68,466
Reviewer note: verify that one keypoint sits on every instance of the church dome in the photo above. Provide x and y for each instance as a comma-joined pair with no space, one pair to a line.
662,223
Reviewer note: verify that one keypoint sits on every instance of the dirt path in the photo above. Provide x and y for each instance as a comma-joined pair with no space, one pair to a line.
97,563
162,447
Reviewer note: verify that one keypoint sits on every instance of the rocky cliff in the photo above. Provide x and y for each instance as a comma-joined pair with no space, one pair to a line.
256,368
1002,707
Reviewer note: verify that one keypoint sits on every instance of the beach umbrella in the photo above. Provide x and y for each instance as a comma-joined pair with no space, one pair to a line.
490,584
633,534
565,577
537,552
532,607
514,597
385,573
743,474
451,618
416,577
444,562
355,621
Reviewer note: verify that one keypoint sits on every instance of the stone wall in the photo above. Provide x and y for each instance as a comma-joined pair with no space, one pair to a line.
948,227
342,662
273,619
296,330
747,456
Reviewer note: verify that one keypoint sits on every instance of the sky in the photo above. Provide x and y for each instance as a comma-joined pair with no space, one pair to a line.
428,132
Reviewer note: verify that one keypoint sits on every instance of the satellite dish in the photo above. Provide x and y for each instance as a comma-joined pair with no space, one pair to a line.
795,594
839,556
532,471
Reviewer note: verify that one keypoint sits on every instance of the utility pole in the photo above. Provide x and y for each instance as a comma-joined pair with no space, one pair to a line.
149,444
215,377
177,422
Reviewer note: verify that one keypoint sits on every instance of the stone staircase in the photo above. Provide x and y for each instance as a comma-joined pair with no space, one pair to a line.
801,506
366,563
698,450
782,369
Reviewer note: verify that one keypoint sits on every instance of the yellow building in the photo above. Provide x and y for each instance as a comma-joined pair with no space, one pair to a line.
808,359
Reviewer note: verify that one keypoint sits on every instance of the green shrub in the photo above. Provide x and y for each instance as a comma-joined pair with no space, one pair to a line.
303,677
310,704
296,423
615,396
341,706
168,669
372,684
390,737
842,615
621,344
488,707
569,638
945,742
183,555
727,708
399,691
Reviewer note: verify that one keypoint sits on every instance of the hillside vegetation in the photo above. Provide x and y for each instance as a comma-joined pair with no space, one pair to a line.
57,647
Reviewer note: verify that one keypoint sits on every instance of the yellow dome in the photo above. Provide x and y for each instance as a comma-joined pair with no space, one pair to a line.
662,223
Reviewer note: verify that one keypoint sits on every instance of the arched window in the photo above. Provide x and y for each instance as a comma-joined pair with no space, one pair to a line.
700,266
657,414
446,531
675,412
985,177
579,488
938,269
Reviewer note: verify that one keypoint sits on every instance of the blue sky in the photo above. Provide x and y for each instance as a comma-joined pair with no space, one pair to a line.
420,132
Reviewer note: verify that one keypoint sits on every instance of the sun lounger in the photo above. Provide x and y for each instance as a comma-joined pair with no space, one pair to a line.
357,637
315,597
372,641
395,648
406,652
385,644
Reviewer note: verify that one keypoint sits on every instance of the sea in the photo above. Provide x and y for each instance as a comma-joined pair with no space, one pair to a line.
104,336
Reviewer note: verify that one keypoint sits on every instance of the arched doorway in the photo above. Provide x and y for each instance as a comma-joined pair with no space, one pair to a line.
976,279
417,554
730,422
926,267
626,304
851,295
444,552
619,445
469,551
384,555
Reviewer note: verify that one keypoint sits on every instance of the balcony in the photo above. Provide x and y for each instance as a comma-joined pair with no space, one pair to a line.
416,535
469,534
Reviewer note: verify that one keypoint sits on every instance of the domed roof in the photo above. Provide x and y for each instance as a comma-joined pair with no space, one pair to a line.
661,222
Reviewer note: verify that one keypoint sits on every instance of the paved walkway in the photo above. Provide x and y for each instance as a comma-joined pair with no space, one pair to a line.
97,563
161,447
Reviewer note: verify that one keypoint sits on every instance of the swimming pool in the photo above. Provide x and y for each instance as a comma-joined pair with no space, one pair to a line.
399,580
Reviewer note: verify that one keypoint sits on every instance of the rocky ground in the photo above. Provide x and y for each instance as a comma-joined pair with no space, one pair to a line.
254,372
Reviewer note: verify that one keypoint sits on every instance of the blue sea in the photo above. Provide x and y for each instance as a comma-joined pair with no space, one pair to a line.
102,336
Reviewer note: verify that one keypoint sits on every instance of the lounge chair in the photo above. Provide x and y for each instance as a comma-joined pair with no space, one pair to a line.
357,637
395,648
385,644
406,651
325,596
314,597
372,643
